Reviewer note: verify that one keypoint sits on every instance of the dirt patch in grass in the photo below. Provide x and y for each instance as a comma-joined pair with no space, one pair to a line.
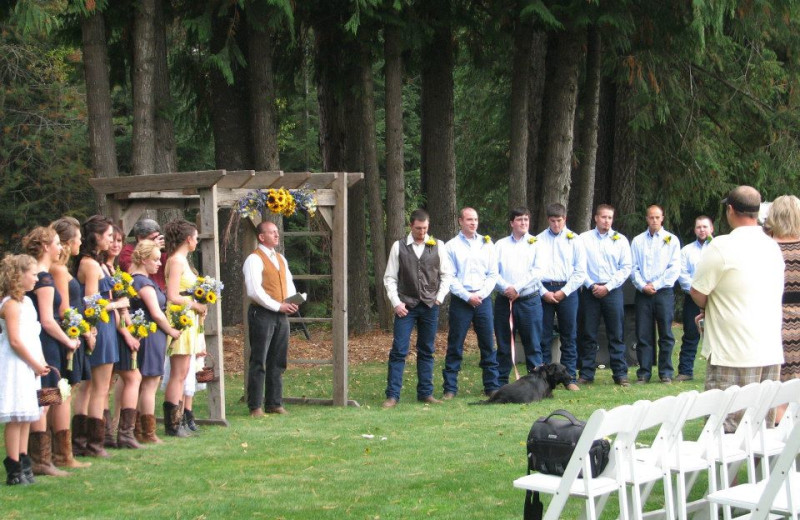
370,347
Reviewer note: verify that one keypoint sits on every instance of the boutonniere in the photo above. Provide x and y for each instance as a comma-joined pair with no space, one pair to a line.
616,236
708,239
487,239
668,239
570,235
532,240
431,241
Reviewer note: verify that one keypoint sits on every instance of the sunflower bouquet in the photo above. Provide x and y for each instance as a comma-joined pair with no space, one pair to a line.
278,201
123,285
140,328
95,309
178,316
73,324
207,290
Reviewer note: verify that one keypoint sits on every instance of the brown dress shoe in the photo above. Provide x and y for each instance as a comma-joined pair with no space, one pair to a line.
683,377
391,402
448,396
258,412
572,387
430,400
276,409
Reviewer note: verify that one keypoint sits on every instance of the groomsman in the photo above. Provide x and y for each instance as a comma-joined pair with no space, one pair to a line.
517,294
417,279
608,265
656,266
564,261
690,256
475,275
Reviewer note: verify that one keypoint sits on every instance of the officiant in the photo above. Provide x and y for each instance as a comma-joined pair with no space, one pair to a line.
268,283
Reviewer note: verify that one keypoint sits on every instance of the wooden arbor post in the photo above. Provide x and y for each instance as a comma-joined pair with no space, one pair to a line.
128,197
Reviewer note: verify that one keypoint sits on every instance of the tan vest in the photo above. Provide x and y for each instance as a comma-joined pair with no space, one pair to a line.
273,279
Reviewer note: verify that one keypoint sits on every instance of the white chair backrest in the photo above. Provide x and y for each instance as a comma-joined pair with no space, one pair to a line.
673,419
780,479
714,405
747,400
788,393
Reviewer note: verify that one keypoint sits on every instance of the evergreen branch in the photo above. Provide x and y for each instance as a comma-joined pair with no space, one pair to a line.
734,88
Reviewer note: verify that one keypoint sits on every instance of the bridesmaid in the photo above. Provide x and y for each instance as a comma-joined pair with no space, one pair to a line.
69,290
181,240
126,388
94,277
145,261
44,245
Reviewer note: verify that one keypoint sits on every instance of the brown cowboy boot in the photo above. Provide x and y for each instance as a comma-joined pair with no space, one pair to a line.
109,439
125,438
138,432
148,423
172,420
62,451
39,448
79,434
94,447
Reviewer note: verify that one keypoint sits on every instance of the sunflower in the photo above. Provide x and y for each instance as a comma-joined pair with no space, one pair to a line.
290,207
199,293
132,292
153,326
211,297
84,326
127,278
89,312
142,331
131,329
175,307
102,302
184,320
118,287
73,332
104,317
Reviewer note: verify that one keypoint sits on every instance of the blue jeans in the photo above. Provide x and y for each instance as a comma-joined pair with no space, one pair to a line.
567,311
611,309
426,319
691,337
461,314
654,312
528,321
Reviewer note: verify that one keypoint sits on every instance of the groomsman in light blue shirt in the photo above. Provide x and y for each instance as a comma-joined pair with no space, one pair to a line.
608,265
517,294
690,256
656,266
474,260
564,262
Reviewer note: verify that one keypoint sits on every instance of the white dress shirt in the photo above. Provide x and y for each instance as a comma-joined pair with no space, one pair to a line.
253,268
393,266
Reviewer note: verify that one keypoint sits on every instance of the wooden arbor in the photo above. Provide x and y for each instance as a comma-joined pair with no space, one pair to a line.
126,198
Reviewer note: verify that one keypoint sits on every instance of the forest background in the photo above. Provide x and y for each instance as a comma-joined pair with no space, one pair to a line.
440,103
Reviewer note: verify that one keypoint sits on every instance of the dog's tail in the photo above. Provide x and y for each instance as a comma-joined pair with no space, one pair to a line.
488,401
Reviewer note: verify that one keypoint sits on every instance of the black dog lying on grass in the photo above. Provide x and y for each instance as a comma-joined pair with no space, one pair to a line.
535,386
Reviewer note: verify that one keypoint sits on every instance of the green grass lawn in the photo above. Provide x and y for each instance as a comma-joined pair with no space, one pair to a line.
445,461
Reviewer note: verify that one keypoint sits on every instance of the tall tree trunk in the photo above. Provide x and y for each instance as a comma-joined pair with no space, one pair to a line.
144,54
373,185
395,167
605,143
340,119
536,86
518,146
262,94
561,104
438,167
98,96
581,212
623,180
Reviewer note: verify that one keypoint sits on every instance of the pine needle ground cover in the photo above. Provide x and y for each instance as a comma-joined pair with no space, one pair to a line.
415,461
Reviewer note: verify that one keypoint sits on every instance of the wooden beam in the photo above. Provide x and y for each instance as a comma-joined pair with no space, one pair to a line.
250,242
158,182
209,249
324,402
312,276
339,246
130,215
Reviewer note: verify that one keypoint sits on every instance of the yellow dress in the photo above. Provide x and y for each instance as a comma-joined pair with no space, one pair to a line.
189,341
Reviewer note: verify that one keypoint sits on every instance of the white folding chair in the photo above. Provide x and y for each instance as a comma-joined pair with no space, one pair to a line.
651,464
779,494
594,490
770,441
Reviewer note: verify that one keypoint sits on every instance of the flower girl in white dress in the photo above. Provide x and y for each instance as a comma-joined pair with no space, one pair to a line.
21,364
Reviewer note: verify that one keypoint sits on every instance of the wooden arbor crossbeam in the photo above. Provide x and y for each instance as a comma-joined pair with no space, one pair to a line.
126,198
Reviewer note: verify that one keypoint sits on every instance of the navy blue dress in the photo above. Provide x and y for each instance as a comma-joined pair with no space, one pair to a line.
81,369
105,347
153,347
53,350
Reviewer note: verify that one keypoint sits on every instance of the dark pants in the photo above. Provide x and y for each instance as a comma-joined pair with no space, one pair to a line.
461,314
654,312
691,337
269,345
427,320
611,309
567,311
528,321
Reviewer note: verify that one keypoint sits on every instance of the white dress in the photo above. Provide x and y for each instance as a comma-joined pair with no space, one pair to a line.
18,382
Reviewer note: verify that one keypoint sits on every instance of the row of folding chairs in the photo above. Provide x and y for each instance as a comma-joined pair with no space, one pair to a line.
678,462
